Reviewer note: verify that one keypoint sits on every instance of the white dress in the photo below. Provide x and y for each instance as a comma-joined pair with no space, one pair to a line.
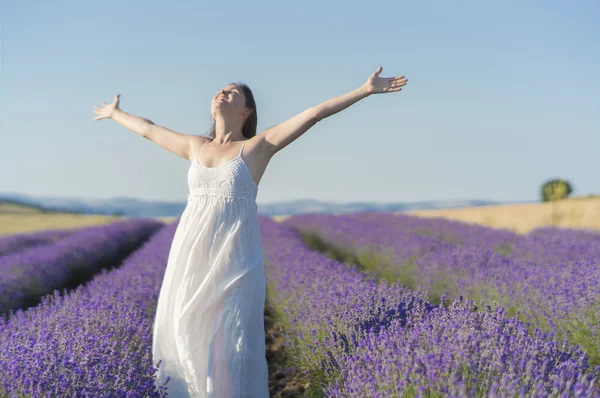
209,324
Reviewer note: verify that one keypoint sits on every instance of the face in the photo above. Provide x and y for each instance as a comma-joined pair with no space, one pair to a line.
229,100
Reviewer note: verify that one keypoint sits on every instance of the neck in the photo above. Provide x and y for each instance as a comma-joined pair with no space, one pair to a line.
227,130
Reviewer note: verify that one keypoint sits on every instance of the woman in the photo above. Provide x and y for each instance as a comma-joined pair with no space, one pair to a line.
208,329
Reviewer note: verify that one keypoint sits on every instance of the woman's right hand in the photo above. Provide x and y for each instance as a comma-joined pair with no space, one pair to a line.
107,111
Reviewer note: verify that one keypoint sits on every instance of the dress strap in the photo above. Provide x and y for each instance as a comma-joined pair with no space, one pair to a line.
205,142
240,154
199,150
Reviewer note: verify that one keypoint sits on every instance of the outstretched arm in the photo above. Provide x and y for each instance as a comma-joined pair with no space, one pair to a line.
282,134
173,141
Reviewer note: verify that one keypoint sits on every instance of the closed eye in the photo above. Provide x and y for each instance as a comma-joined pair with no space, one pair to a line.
233,91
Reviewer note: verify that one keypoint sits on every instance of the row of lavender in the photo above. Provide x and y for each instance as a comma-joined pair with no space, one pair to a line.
16,242
550,277
50,260
95,341
358,336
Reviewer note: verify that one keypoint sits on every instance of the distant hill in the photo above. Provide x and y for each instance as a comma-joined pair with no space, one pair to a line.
14,206
133,207
316,206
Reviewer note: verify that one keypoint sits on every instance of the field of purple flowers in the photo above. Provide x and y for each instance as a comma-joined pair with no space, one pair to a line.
359,336
21,241
43,261
549,277
353,333
93,342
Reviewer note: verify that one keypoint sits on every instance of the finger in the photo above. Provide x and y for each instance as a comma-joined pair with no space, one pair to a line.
98,109
97,117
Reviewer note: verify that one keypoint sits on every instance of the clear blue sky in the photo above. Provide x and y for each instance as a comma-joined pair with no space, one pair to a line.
500,97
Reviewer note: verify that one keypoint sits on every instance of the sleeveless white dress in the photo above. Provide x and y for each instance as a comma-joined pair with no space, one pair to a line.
209,324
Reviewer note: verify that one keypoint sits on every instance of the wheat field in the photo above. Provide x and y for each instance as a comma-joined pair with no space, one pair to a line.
521,218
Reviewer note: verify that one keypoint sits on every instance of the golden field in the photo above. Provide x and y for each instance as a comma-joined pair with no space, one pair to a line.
570,213
521,218
19,218
29,222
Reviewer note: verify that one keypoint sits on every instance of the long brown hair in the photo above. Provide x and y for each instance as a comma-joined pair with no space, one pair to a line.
249,129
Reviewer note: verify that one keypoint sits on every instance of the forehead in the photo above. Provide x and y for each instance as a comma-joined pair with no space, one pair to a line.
231,87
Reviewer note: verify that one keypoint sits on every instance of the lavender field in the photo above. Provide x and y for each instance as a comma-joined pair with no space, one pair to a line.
358,335
348,330
92,342
21,241
549,277
41,262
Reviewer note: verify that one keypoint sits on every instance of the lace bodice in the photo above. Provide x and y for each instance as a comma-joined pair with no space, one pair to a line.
231,179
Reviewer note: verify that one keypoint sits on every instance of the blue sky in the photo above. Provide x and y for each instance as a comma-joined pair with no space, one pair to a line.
500,97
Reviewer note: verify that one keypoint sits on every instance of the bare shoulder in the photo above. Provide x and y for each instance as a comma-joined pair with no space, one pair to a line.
196,142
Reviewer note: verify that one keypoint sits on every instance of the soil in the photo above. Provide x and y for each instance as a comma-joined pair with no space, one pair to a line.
281,385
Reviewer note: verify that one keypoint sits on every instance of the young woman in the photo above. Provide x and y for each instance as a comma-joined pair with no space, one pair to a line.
208,329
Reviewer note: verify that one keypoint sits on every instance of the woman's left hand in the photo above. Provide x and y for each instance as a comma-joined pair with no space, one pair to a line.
378,85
